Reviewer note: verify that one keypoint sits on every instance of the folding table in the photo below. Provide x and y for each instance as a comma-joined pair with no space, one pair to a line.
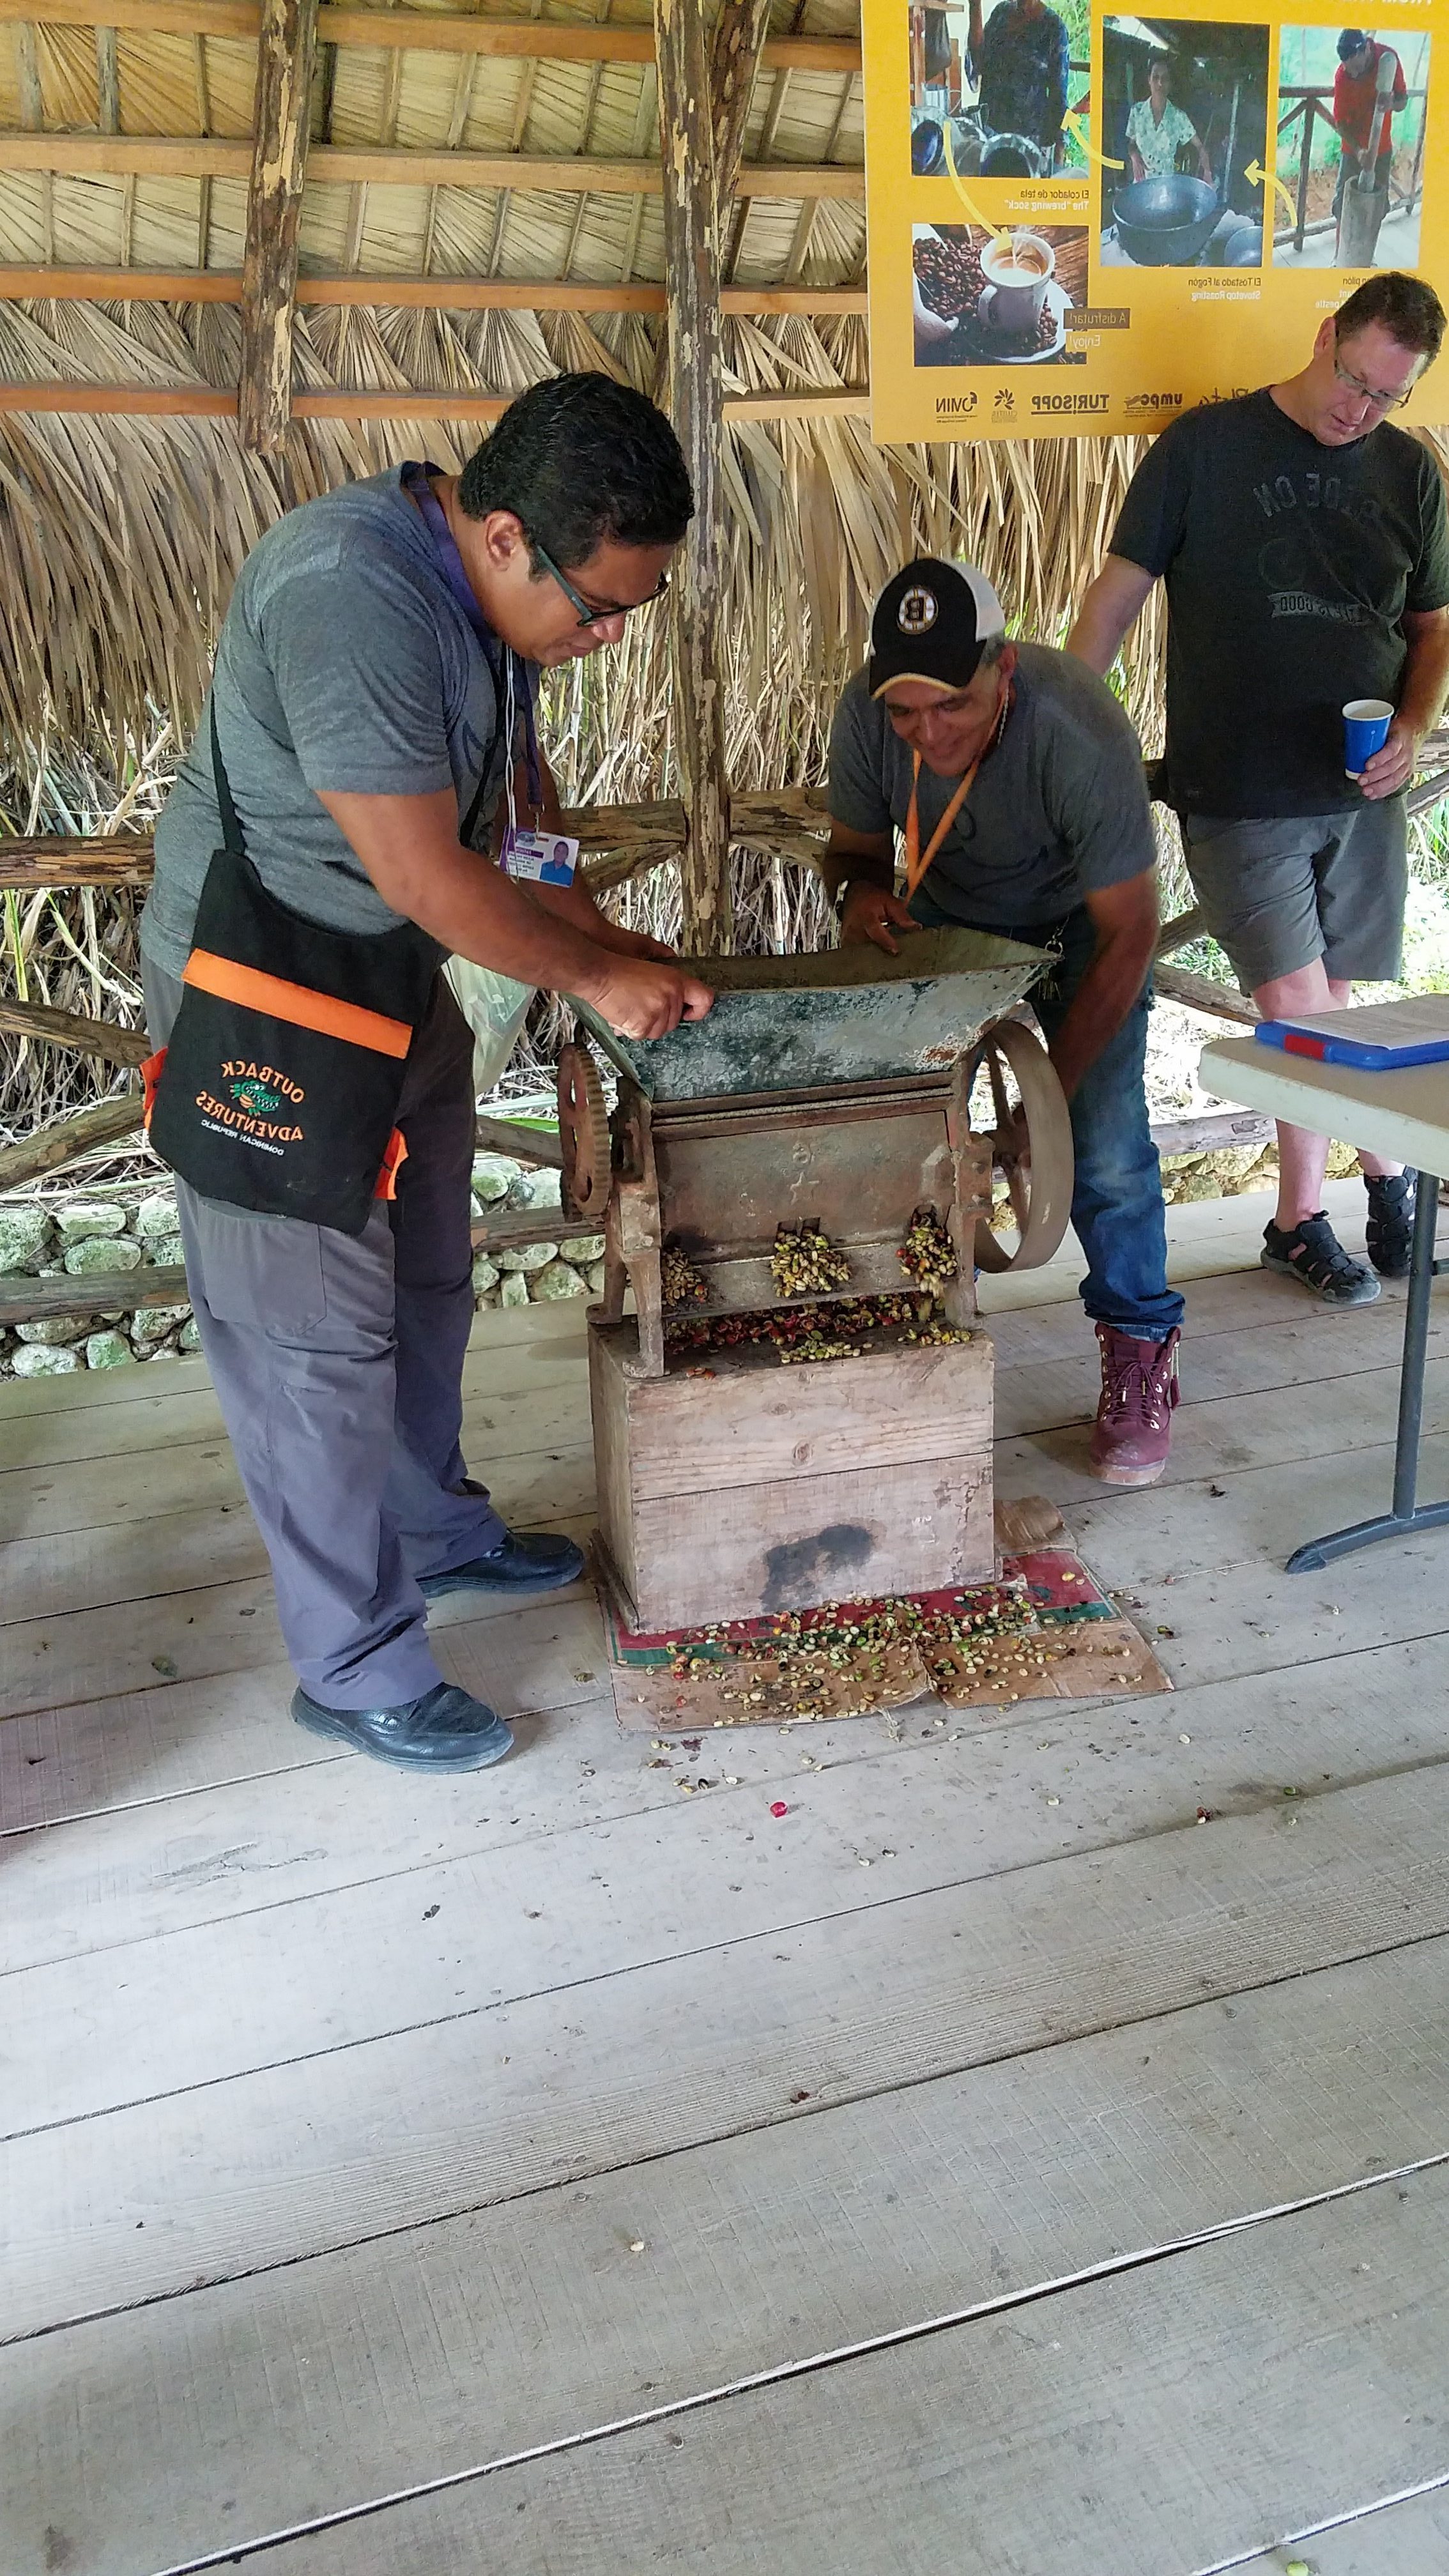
1405,1117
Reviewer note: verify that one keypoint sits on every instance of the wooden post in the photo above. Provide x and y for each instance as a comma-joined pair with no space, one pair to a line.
285,57
108,81
1305,157
734,60
702,107
691,274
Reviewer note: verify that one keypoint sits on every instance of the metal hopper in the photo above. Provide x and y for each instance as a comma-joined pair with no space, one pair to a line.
834,1088
843,1017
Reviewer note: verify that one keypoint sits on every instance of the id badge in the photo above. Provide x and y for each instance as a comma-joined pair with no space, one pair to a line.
540,858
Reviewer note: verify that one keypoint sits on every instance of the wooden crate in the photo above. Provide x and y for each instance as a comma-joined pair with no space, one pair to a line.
761,1488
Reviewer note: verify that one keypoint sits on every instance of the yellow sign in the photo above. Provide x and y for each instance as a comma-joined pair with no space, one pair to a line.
1106,219
972,210
1261,177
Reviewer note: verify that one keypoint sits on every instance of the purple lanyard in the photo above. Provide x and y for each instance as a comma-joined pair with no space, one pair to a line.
416,480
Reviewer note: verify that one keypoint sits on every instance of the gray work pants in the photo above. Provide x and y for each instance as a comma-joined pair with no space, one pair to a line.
338,1363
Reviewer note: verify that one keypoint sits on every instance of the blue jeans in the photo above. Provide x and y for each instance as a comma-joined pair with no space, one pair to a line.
1117,1212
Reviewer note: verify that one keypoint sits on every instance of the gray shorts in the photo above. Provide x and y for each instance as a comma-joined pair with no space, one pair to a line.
1278,893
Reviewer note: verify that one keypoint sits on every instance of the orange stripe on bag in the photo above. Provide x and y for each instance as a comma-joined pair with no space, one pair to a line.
295,1003
151,1075
392,1163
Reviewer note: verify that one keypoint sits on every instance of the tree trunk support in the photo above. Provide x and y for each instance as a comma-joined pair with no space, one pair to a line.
280,124
703,103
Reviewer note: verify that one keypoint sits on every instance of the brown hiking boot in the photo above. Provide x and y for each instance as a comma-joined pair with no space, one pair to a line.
1134,1417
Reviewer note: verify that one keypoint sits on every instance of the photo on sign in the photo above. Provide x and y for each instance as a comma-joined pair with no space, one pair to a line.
984,299
999,86
1352,112
1183,117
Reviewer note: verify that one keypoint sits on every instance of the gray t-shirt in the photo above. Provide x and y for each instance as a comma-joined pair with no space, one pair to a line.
1058,808
344,662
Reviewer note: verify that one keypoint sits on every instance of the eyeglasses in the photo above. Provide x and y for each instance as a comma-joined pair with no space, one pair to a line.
1366,393
594,616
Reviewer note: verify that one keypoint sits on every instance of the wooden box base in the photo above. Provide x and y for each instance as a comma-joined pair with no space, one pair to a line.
757,1488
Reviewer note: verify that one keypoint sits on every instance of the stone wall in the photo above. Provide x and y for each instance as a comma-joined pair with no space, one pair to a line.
73,1234
132,1225
1238,1168
571,1266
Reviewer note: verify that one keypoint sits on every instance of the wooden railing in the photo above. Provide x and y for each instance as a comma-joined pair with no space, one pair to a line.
616,841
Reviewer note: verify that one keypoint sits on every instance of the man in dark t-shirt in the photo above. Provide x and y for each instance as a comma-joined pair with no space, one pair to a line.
1303,545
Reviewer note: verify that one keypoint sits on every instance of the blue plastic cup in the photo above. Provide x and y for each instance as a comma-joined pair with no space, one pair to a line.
1366,723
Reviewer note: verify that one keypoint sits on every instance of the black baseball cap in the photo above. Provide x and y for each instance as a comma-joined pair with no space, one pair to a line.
930,623
1352,41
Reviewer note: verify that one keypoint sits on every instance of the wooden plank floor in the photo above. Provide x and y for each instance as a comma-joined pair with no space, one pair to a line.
985,2167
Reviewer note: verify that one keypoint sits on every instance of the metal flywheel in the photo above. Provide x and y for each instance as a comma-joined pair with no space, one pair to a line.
1037,1167
583,1132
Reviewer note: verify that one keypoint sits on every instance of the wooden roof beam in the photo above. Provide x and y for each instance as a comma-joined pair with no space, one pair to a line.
417,30
69,399
286,55
439,291
200,156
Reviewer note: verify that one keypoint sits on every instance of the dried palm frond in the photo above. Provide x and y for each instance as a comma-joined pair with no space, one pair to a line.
74,950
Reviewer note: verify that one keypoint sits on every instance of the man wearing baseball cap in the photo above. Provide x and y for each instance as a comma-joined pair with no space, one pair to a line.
1016,782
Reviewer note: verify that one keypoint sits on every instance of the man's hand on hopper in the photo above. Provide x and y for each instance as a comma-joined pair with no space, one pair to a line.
644,999
552,936
872,912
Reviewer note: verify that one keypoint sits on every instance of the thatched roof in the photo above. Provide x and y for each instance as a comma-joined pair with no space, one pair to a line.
121,529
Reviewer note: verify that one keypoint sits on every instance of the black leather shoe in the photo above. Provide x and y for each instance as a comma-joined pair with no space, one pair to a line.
445,1730
528,1561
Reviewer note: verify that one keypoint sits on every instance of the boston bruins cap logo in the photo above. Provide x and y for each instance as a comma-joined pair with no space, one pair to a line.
917,612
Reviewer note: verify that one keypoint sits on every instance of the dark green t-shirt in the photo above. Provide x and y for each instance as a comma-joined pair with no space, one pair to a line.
1288,566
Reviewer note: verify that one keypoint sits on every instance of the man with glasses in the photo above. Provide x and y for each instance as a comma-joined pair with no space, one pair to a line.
1301,540
370,716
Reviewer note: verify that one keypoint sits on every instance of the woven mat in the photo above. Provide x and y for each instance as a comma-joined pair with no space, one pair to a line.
1046,1631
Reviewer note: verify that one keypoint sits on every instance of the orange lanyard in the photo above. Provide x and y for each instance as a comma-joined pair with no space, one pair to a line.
916,865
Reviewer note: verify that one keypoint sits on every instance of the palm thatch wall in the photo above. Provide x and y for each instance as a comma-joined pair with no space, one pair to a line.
120,538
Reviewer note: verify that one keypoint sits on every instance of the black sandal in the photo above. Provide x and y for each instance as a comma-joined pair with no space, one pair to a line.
1390,1229
1313,1254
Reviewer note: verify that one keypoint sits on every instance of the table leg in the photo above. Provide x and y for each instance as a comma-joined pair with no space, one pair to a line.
1404,1517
